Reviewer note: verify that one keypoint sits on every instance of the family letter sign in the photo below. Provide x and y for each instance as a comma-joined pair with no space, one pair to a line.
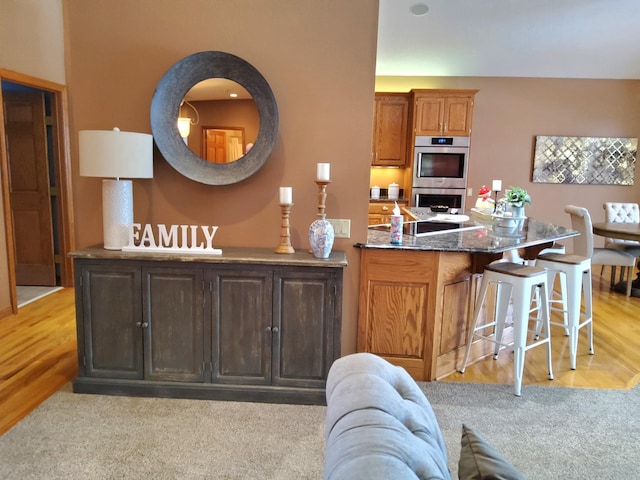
177,239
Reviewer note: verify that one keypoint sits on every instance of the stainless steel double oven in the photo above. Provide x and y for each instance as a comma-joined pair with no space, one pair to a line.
440,171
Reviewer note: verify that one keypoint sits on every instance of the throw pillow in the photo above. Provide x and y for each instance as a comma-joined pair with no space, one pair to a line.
480,461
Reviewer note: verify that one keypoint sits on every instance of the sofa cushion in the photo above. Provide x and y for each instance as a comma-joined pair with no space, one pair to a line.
379,424
480,461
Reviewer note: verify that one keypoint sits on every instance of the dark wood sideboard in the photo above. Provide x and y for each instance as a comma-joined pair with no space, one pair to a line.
248,325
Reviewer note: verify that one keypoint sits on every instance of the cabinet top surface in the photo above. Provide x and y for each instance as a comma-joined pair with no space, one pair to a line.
486,238
230,255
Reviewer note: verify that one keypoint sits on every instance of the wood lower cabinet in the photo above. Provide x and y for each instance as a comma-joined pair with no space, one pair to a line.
172,324
250,326
414,309
110,328
380,212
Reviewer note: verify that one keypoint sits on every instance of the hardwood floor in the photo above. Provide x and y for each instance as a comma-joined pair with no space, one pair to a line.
616,340
38,352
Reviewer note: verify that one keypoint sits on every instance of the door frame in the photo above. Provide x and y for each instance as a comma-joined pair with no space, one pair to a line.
64,197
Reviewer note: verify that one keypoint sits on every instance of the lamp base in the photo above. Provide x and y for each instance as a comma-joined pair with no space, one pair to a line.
117,212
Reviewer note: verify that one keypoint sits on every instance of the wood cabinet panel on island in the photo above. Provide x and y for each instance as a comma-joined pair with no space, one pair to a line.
443,112
413,308
390,129
252,325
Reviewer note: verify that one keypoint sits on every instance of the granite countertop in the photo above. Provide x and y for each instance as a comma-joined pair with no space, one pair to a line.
481,237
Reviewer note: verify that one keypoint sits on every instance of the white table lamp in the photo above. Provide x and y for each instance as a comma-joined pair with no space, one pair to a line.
115,154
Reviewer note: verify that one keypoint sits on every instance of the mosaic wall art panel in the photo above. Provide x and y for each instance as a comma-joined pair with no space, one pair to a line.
585,160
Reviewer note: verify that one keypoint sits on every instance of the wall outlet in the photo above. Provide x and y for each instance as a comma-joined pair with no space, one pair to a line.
341,227
470,192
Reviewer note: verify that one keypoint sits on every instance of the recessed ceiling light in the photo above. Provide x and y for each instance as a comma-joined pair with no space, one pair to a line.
419,9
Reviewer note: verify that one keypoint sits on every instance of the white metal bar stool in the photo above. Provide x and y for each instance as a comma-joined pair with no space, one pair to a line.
577,271
518,283
557,298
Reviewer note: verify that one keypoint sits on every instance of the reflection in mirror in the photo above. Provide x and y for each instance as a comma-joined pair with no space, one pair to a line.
223,144
224,115
223,103
177,89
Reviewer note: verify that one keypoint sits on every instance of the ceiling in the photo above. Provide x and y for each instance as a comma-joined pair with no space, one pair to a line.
510,38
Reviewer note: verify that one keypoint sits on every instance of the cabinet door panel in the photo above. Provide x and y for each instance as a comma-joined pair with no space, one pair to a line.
112,308
241,337
304,315
390,130
458,115
396,314
173,324
454,315
429,116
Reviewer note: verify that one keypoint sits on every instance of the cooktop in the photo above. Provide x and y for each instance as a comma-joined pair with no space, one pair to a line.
422,228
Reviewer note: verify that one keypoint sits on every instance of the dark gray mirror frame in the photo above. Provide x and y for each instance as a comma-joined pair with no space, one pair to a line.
165,107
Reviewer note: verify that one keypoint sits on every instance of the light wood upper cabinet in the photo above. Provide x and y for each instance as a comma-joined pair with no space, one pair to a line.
390,130
443,112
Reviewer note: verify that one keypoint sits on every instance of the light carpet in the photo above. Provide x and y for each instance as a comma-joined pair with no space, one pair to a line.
549,432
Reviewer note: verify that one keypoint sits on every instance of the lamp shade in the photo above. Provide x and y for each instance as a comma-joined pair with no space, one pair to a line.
115,154
184,126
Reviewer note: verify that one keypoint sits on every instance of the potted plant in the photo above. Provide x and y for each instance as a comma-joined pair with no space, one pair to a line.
517,198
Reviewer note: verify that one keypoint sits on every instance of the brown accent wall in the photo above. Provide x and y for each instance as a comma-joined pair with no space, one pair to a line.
510,112
319,59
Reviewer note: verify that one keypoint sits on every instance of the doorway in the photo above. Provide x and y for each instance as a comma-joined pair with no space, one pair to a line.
36,183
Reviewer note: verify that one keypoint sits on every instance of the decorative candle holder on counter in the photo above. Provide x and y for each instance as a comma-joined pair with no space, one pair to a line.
285,208
321,234
496,186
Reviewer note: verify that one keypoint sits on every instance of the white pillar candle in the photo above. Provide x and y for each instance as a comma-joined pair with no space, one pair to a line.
496,185
286,195
323,171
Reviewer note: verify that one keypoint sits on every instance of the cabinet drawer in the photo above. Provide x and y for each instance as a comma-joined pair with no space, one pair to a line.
384,208
380,213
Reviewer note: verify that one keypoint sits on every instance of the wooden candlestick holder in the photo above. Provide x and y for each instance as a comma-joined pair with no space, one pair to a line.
322,197
285,235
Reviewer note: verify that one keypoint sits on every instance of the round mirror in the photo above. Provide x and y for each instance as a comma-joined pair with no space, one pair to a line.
169,96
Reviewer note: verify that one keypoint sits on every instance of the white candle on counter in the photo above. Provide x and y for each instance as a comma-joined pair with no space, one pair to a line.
323,171
496,185
286,195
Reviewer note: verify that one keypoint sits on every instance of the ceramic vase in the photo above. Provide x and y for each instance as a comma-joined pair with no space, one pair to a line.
321,238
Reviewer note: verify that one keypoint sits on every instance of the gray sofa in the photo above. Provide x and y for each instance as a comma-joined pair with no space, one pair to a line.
380,426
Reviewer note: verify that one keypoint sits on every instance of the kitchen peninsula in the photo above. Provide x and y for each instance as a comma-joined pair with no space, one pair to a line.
415,298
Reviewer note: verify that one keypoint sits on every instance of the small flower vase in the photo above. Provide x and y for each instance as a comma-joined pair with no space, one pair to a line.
321,238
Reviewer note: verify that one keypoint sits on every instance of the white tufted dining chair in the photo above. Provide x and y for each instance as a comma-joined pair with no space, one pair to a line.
617,212
621,212
583,245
